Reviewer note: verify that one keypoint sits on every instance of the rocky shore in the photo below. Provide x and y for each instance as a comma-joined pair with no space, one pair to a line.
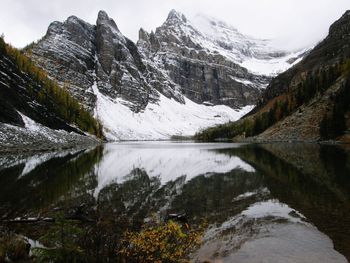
16,139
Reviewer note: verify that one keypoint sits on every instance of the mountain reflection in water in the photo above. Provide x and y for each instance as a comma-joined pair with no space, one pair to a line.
273,201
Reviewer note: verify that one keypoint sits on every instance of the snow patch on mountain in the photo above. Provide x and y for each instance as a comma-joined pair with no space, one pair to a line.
273,66
160,120
36,129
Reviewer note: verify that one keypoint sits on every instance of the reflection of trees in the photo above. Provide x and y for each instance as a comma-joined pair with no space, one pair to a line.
310,178
58,179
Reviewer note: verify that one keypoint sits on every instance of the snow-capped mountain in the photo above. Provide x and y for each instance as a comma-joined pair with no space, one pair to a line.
212,61
182,78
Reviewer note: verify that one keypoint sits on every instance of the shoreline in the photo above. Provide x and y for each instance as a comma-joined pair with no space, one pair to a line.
45,147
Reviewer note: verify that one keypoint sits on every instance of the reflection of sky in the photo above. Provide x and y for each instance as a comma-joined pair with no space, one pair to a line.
269,239
166,160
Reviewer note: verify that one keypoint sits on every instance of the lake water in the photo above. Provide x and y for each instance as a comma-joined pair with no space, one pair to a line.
262,203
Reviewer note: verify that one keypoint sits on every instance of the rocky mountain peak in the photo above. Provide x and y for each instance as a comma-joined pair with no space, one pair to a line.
143,35
54,28
210,22
73,19
104,19
176,17
342,26
76,22
148,41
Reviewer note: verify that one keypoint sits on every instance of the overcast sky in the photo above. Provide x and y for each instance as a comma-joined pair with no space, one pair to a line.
295,23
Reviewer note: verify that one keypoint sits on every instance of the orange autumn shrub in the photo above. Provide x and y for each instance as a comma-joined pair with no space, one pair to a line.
165,243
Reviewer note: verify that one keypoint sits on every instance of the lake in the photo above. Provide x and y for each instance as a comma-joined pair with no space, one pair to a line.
261,203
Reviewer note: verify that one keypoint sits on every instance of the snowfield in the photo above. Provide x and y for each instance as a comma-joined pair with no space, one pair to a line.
273,66
161,120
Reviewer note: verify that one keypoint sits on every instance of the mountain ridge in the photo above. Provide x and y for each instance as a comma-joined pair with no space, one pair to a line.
80,35
111,76
99,65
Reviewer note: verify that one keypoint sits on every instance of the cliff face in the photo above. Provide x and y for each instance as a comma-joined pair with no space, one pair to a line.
18,97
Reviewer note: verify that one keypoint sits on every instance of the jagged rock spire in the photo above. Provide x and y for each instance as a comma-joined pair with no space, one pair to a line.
103,18
176,16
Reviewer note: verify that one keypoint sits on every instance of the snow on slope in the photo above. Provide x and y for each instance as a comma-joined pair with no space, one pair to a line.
168,160
229,41
161,120
272,66
37,129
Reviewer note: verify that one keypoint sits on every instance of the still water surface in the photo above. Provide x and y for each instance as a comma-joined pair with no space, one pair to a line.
263,203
